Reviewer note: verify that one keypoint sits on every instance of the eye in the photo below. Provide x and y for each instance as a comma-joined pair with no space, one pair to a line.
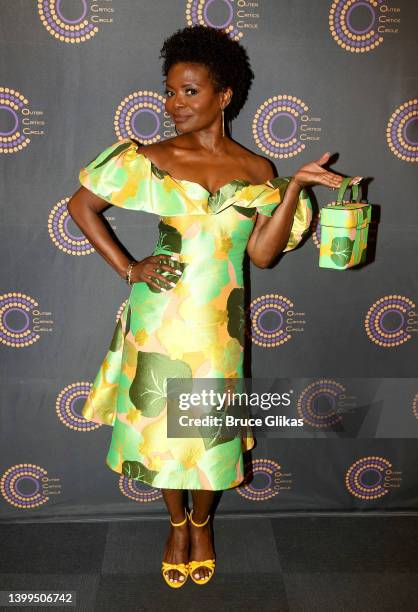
168,91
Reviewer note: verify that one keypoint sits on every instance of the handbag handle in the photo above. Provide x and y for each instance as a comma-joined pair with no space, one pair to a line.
344,186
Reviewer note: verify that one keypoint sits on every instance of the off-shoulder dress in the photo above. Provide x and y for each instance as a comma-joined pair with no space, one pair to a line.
194,330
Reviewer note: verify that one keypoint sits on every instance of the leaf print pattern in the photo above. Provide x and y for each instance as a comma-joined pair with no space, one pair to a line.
149,387
235,307
341,249
193,330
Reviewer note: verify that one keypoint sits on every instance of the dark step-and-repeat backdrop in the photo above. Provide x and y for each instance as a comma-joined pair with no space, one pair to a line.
336,76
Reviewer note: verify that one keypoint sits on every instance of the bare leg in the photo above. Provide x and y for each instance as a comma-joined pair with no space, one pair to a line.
201,537
177,545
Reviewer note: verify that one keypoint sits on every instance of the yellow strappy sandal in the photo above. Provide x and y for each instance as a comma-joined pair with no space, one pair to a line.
183,568
209,563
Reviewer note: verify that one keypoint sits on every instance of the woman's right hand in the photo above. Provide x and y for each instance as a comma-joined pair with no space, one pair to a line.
148,271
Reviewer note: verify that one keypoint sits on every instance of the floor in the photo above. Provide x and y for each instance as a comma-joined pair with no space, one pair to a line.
292,563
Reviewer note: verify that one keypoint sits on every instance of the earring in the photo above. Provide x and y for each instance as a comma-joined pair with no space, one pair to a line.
223,126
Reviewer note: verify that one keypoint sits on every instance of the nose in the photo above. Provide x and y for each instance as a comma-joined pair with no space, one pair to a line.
178,102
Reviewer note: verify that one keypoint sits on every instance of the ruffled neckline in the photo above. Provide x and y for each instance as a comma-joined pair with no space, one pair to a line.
233,183
128,178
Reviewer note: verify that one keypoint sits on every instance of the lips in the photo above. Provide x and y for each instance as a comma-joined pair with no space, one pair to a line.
180,118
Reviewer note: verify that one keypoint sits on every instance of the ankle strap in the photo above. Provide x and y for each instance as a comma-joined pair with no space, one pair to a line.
181,522
198,524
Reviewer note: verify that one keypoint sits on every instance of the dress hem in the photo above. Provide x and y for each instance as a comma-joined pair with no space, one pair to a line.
177,488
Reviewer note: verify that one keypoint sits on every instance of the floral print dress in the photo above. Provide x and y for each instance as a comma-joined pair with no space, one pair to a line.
194,330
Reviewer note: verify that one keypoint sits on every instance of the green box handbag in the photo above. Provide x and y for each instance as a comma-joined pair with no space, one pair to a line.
344,227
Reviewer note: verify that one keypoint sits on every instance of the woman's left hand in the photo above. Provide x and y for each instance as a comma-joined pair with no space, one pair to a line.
312,173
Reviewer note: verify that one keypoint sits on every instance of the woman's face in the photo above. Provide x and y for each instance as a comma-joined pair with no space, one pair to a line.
190,97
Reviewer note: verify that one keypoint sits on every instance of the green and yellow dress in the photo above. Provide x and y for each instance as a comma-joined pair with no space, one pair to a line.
194,330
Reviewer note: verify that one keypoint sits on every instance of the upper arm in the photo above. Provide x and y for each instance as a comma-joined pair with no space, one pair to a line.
265,172
83,198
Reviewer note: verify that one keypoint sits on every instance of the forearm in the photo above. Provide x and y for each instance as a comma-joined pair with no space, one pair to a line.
93,226
274,234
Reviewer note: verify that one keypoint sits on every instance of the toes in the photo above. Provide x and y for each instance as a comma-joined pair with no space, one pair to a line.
175,576
202,573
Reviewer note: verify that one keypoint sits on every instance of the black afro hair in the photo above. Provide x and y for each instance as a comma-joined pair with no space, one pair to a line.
226,60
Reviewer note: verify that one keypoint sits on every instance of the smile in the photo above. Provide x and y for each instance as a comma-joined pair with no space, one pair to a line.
180,118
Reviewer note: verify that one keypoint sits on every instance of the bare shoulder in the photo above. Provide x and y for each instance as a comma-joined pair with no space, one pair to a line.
265,167
261,168
159,152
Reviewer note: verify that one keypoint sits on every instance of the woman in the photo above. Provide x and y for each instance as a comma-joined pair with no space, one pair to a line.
183,317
